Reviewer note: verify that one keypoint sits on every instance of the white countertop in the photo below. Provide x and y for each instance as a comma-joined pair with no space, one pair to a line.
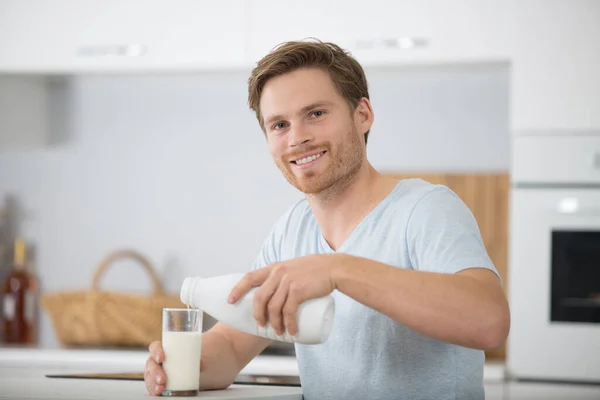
23,370
124,361
21,383
134,361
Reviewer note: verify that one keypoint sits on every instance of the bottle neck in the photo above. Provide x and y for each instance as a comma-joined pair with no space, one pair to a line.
19,256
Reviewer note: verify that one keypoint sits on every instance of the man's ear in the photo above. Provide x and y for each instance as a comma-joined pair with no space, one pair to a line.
364,116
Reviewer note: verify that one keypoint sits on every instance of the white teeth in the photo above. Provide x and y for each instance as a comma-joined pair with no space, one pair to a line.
308,159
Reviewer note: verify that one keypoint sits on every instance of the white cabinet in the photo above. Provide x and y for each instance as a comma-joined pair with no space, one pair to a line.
272,22
379,32
556,66
120,35
553,46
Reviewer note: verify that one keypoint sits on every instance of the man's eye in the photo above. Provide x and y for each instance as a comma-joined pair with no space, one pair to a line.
317,113
280,125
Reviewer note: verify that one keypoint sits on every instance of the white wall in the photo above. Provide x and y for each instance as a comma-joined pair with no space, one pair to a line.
177,167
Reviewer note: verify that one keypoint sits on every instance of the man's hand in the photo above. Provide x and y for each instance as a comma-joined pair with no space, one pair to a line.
285,285
154,375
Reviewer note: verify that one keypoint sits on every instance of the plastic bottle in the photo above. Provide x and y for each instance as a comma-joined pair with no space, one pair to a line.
314,317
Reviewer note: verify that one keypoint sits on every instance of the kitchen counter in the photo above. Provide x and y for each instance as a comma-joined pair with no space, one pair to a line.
124,361
134,361
23,375
31,383
116,361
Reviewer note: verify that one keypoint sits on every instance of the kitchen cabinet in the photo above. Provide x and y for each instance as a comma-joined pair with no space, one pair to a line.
384,32
120,35
552,46
556,66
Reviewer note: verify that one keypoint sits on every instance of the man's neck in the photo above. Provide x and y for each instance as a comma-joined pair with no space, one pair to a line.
339,211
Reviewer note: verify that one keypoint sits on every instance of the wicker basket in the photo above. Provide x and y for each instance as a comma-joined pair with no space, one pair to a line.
98,318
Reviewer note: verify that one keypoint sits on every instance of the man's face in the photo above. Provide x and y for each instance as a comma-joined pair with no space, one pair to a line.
314,137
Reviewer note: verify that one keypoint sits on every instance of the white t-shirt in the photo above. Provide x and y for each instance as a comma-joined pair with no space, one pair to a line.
418,226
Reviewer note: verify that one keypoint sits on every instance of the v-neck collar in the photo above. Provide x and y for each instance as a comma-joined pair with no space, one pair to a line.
361,225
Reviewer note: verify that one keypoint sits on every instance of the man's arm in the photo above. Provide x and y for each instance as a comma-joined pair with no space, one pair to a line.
449,290
225,352
467,308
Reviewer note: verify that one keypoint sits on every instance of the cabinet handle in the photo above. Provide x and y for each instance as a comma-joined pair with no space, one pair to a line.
403,43
124,50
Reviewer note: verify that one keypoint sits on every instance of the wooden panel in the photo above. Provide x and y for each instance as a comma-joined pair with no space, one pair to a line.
487,196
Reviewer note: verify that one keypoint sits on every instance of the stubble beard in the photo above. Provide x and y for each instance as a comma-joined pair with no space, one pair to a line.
342,170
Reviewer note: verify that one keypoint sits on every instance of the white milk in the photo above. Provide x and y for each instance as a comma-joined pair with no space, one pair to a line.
182,359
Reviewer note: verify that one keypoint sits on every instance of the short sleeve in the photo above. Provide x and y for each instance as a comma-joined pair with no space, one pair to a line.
271,249
443,236
269,252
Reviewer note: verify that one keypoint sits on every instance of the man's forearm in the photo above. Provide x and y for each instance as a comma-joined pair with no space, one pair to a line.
447,307
220,365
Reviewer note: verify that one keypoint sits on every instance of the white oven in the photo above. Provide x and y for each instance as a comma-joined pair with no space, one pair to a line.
554,258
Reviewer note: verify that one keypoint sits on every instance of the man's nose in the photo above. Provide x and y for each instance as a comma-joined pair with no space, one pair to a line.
299,136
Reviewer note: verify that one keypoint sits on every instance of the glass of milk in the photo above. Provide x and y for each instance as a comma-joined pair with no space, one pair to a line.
182,344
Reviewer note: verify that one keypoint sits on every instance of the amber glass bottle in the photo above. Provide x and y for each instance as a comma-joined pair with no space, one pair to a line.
19,300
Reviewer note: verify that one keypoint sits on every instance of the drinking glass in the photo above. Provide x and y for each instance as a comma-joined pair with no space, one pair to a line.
182,345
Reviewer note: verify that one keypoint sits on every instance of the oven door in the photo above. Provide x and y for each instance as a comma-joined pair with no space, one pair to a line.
554,284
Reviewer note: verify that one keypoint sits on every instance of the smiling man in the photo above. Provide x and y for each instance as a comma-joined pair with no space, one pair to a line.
418,299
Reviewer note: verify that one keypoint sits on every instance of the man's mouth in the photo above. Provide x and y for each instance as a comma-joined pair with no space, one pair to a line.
307,159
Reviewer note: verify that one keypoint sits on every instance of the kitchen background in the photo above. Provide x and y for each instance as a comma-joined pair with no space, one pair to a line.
177,167
118,131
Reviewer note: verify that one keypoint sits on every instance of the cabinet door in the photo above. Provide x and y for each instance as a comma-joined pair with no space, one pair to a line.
121,35
556,71
272,22
386,32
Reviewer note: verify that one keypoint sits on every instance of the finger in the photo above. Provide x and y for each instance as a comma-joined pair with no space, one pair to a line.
155,378
249,280
157,390
290,309
156,351
275,308
149,363
263,295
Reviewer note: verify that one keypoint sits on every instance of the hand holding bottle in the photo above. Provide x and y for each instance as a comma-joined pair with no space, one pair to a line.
284,286
230,300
